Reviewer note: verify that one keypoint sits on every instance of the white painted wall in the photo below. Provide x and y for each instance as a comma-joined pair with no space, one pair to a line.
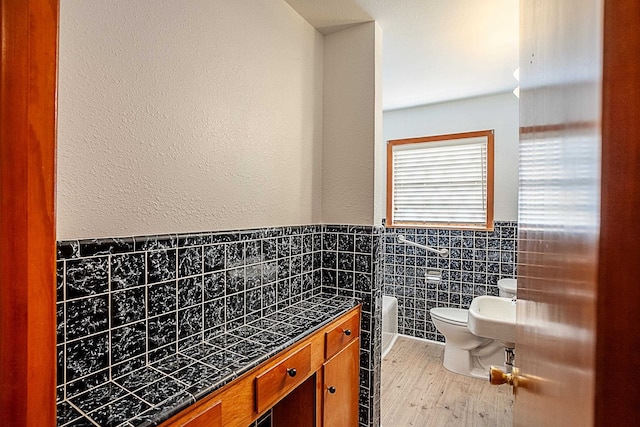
499,112
352,116
180,116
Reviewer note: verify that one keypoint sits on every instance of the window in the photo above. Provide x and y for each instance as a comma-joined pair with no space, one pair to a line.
443,181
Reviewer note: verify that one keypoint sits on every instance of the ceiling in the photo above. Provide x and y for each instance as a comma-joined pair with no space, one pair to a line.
433,50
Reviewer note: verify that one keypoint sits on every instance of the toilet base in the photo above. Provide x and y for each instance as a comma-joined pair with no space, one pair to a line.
465,362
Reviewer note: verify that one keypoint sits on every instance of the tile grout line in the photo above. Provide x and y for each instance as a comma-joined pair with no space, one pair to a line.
64,330
146,309
177,282
82,413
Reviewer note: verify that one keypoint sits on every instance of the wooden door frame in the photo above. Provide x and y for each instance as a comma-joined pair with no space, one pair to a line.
618,316
27,221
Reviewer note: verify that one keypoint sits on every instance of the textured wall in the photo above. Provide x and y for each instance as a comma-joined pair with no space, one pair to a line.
499,112
349,125
187,116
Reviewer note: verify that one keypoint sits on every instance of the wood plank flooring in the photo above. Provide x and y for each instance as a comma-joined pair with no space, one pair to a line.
418,391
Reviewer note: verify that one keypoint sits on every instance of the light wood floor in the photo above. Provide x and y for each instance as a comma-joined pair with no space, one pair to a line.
418,391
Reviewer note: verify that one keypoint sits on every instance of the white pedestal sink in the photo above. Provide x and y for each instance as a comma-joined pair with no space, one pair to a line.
493,317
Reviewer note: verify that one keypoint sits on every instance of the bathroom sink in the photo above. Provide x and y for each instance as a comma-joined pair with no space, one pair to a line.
493,317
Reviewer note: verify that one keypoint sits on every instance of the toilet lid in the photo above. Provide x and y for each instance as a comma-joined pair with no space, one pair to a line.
457,316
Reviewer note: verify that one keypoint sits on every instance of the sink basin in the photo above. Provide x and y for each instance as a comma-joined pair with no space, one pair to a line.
493,317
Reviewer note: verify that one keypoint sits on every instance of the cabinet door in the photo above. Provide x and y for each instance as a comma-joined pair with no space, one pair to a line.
341,387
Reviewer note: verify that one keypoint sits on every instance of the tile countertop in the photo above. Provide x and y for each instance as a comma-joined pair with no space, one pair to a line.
156,392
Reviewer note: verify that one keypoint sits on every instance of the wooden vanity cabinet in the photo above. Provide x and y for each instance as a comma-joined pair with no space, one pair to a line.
204,416
294,383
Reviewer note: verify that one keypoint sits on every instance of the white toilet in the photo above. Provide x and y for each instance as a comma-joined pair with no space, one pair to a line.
465,353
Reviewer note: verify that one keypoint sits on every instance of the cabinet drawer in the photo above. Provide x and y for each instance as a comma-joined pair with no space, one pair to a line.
210,416
338,337
277,381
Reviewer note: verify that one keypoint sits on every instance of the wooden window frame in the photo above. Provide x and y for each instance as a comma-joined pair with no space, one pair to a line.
489,134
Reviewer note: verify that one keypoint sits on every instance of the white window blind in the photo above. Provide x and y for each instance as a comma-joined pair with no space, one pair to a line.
441,183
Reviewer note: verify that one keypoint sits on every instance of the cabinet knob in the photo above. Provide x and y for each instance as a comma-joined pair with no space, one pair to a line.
331,389
347,332
292,372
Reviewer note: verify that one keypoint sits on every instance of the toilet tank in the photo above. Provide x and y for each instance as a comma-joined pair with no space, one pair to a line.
507,288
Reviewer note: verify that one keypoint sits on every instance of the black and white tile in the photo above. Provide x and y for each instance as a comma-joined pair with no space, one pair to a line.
86,277
155,391
86,356
476,261
128,302
352,265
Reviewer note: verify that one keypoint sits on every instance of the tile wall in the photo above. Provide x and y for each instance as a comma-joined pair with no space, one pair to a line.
352,266
476,261
123,303
126,302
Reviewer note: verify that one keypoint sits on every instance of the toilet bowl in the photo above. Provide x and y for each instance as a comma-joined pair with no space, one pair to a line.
464,352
